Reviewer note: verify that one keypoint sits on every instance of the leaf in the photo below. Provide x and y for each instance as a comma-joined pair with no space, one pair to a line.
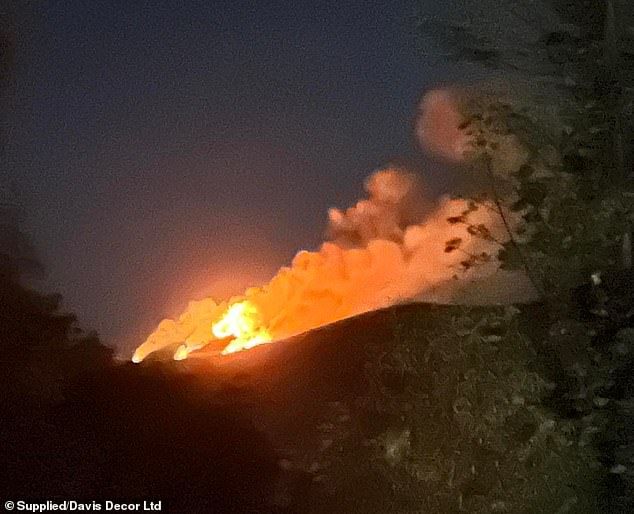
470,262
525,172
531,216
533,193
519,205
481,231
472,206
510,258
452,244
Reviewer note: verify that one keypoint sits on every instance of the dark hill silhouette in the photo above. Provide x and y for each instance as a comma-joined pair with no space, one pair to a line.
365,415
77,425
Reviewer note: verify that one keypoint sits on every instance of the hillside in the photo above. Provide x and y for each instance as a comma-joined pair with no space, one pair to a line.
414,407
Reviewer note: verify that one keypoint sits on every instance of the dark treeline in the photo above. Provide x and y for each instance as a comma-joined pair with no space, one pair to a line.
571,66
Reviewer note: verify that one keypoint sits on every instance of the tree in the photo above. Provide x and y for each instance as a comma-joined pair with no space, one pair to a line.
578,207
575,57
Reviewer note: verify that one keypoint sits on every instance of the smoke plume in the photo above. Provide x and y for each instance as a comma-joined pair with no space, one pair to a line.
380,253
393,246
395,201
438,125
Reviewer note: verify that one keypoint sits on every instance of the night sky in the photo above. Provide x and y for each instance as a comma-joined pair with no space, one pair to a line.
170,150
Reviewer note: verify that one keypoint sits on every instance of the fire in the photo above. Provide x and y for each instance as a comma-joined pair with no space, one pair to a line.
387,248
243,322
382,251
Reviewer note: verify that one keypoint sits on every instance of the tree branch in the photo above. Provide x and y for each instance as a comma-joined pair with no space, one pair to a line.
507,226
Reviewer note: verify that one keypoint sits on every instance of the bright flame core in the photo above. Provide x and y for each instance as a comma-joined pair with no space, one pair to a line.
243,322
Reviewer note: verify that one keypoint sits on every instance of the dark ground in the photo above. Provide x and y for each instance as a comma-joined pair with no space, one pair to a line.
204,435
360,416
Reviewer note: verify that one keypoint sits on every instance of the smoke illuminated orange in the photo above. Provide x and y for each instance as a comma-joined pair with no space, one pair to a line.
378,256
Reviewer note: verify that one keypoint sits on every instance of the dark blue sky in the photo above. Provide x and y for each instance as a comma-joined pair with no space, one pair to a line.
176,149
